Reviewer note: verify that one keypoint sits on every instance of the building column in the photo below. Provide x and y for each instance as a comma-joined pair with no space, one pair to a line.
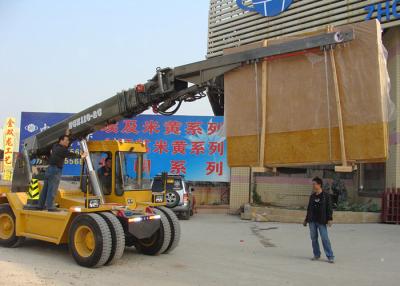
240,188
391,40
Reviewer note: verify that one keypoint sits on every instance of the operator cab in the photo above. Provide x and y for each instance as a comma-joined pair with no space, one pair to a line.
123,173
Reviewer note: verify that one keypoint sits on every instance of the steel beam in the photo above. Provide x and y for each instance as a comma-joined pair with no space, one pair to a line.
318,41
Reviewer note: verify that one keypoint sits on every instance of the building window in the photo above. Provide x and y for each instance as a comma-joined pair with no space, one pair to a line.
372,179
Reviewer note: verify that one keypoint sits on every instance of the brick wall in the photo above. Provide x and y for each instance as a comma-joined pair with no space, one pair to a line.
211,195
275,190
290,191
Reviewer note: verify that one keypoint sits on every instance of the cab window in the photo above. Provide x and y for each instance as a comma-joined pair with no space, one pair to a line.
102,164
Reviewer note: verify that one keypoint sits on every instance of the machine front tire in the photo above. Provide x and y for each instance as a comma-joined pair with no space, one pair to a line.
117,236
7,227
90,240
159,241
175,228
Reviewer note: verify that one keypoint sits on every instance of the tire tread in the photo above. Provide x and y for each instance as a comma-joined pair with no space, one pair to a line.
100,228
117,235
107,241
175,228
167,231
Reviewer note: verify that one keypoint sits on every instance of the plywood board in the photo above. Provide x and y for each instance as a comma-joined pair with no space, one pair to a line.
301,117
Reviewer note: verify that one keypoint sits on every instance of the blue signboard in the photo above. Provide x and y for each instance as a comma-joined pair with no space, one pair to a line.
386,10
266,8
188,145
36,122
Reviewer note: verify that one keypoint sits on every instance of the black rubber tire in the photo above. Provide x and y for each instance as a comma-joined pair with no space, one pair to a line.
117,237
185,215
102,236
13,241
175,195
159,241
175,228
130,240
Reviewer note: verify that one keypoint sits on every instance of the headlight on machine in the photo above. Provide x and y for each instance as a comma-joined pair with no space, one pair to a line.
92,203
159,198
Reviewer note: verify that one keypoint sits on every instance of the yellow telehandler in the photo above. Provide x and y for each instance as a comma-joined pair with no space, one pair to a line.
96,228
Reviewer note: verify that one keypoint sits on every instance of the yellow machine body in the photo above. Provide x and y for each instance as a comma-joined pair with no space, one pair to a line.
53,226
43,225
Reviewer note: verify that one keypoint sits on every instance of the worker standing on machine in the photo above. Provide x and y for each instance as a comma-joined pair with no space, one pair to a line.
53,173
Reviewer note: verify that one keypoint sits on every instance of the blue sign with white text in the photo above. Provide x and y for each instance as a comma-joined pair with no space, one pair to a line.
266,8
193,146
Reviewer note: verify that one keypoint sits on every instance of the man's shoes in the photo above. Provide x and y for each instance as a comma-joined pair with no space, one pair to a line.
331,260
315,258
53,210
33,208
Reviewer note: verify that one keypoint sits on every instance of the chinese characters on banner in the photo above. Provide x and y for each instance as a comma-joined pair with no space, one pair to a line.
193,146
9,138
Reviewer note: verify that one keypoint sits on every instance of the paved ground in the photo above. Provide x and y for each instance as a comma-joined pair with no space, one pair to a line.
223,250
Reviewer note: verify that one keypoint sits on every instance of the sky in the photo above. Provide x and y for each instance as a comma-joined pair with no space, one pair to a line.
64,56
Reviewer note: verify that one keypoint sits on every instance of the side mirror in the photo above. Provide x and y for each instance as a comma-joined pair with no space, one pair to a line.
191,189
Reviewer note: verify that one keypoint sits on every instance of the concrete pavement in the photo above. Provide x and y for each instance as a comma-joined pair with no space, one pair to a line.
224,250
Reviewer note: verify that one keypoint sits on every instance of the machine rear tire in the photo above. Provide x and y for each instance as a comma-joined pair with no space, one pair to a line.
159,241
117,237
90,240
186,215
175,228
7,228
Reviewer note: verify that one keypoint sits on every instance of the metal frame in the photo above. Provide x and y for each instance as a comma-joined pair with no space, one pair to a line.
94,180
203,71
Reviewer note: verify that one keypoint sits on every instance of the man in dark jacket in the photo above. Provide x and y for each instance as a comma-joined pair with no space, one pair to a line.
319,214
53,173
105,176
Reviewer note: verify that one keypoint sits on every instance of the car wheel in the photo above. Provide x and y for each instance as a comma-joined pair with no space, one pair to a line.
172,199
